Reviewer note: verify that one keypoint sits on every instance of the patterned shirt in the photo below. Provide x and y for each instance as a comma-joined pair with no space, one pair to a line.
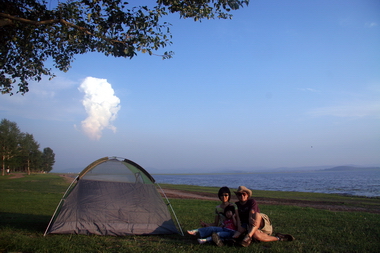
229,223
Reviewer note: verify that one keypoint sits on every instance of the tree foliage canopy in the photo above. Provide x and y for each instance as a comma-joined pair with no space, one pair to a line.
20,152
32,32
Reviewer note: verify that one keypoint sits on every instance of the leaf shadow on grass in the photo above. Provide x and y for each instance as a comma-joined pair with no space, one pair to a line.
29,222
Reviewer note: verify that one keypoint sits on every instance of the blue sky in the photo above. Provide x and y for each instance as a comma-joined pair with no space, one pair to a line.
282,84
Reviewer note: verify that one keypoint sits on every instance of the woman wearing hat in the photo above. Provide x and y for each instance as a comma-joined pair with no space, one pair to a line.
256,224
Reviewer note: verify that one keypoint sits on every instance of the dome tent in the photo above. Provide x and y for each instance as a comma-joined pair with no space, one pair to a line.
112,196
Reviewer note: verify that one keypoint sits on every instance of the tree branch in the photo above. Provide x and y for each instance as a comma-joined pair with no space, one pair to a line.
7,20
24,20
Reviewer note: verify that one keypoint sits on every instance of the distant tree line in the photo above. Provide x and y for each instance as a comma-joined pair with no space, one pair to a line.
20,152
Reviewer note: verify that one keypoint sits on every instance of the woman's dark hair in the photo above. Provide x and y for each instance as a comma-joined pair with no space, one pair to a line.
229,208
224,189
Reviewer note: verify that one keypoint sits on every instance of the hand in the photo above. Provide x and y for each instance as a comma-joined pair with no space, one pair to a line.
203,224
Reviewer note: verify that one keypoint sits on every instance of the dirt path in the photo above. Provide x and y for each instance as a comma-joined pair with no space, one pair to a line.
327,205
16,175
68,178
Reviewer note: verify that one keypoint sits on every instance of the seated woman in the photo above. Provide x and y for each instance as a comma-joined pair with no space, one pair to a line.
218,234
257,225
224,195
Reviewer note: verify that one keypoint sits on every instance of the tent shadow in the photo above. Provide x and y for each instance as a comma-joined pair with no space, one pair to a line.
164,229
29,222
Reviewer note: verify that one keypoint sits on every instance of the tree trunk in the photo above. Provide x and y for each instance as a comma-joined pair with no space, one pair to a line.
28,167
3,166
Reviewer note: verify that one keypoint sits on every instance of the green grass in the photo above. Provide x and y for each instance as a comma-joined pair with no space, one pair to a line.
26,206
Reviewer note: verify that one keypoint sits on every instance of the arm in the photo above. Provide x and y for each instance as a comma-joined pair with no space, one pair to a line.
234,220
216,219
256,218
235,217
240,229
216,222
238,223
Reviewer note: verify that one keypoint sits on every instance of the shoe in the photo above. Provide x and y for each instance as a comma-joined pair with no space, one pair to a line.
236,235
192,232
217,240
201,241
285,237
246,241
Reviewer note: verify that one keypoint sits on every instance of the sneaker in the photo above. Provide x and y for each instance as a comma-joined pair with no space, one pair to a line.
236,235
192,232
201,241
285,237
217,240
246,241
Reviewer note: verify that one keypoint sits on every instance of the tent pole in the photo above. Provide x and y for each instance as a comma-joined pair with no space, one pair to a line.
171,207
59,204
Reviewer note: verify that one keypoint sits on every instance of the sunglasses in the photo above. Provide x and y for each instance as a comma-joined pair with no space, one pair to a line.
225,195
239,194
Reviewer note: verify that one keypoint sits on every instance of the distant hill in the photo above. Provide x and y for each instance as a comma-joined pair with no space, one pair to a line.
351,168
240,170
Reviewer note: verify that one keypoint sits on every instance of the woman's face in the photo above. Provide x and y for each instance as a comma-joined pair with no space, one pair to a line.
242,196
224,197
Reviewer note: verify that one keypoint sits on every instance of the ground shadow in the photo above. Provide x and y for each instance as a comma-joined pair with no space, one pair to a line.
30,222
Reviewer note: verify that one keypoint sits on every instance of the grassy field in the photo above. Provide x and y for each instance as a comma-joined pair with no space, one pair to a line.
27,203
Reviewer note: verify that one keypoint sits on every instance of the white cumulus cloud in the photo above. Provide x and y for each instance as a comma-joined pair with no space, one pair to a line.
101,106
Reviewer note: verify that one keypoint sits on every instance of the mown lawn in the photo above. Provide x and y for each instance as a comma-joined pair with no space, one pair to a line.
26,206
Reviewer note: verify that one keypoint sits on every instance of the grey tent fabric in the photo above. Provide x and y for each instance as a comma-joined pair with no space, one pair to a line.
113,199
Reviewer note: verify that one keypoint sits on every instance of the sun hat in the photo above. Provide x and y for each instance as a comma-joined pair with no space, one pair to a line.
244,189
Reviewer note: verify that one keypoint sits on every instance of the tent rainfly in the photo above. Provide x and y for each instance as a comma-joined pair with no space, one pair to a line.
113,196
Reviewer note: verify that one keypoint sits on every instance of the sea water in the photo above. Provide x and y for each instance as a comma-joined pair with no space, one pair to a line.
357,183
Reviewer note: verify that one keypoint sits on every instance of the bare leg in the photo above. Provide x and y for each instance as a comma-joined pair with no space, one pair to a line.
262,237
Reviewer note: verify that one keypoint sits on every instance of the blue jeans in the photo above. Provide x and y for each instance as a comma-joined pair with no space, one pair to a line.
222,232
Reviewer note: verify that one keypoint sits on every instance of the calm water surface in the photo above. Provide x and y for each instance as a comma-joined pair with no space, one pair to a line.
357,183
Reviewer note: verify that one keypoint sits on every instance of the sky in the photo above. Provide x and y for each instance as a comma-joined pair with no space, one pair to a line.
283,84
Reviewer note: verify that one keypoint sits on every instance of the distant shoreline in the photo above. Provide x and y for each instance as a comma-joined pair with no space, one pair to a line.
335,169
